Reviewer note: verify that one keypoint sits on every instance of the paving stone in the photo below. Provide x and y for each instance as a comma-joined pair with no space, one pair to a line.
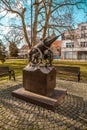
16,114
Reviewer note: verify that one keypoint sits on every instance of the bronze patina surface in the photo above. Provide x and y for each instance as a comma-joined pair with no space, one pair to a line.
40,80
41,52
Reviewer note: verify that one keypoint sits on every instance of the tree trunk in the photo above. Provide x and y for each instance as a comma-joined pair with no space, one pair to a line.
34,35
47,13
24,29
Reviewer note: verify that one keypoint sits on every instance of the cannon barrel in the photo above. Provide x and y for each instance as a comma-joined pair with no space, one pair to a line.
41,51
46,43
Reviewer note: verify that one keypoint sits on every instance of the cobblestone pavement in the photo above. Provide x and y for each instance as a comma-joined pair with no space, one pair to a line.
16,114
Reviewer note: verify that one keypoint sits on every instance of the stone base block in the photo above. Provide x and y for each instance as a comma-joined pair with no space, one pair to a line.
41,80
44,101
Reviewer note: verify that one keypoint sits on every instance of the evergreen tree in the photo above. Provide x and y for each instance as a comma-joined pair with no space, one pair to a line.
13,49
2,52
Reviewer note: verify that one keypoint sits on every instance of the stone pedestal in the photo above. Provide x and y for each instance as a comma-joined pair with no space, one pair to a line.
40,80
48,102
39,87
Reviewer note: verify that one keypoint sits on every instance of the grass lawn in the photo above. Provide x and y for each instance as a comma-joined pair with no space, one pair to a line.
18,66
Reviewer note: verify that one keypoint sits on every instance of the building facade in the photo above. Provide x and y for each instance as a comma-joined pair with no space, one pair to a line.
23,52
74,43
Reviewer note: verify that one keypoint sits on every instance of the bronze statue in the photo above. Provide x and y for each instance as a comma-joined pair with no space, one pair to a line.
41,53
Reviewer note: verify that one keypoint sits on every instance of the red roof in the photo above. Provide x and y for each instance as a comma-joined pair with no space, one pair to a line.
57,43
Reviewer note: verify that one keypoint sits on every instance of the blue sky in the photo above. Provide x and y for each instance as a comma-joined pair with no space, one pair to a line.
78,14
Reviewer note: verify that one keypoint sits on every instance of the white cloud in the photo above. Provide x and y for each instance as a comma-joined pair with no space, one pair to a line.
5,30
10,15
3,13
29,2
7,16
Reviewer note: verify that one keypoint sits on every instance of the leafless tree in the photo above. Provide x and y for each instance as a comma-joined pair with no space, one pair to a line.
17,8
49,16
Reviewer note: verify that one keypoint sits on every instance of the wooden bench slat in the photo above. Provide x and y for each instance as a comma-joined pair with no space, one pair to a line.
5,71
68,70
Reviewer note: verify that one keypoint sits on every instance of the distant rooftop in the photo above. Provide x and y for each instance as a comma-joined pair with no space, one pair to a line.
57,43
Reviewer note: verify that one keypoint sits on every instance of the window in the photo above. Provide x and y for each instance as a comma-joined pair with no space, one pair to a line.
83,44
70,55
83,27
68,38
83,35
70,45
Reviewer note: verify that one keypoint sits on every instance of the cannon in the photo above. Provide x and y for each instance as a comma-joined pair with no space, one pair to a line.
41,53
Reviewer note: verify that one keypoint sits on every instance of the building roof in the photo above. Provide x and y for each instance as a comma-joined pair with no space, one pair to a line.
57,43
82,23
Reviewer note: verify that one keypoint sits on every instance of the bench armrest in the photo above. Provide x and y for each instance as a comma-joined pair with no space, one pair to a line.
12,73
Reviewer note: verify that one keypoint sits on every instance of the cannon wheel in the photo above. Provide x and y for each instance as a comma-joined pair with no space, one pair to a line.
35,56
48,57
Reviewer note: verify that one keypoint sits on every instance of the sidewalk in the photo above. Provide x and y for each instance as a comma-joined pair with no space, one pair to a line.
16,114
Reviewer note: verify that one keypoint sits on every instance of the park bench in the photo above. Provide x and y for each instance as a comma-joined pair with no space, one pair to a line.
6,71
68,71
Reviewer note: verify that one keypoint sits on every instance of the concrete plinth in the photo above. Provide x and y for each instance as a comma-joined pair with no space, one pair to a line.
39,87
48,102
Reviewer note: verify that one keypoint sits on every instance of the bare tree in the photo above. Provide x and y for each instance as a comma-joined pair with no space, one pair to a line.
14,35
19,10
49,16
54,16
